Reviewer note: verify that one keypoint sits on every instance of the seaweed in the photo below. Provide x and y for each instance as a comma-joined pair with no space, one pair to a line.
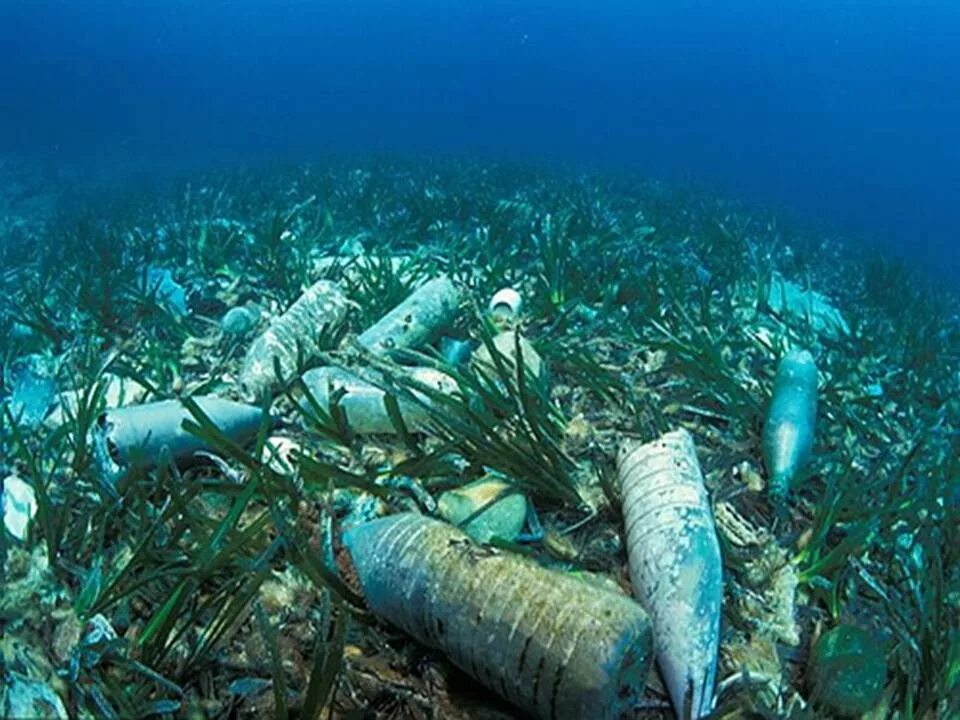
648,304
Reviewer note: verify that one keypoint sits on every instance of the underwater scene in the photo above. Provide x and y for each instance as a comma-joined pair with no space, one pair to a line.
479,360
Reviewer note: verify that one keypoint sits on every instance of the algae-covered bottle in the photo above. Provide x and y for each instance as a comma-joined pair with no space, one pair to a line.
323,306
848,671
551,643
415,320
136,435
675,564
788,431
363,403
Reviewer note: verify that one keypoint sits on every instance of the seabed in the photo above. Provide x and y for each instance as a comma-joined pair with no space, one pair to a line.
218,588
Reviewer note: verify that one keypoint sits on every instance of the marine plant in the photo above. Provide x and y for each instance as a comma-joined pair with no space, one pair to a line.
212,586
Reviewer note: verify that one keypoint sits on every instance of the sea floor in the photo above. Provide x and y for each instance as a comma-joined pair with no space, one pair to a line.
218,585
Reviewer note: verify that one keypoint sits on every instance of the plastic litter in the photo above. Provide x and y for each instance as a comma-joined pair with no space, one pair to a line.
33,379
167,291
414,321
547,641
323,306
19,506
506,345
497,509
135,436
675,564
24,697
789,429
362,402
790,300
505,307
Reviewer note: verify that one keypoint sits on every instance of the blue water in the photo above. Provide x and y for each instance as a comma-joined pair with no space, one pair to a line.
846,112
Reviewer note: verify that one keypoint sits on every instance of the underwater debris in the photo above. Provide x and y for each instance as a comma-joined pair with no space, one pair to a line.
33,379
505,307
753,657
414,321
135,436
505,344
675,564
790,300
24,697
280,453
848,671
484,509
117,391
769,599
455,351
353,261
240,320
295,333
19,506
167,291
547,641
363,403
789,428
888,562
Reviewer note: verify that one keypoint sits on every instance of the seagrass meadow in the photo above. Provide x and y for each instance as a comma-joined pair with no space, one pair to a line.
221,588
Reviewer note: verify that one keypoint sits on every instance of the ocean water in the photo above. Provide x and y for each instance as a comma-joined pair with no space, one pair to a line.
479,360
844,112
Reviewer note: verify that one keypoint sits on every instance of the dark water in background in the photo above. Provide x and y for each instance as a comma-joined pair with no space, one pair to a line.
844,111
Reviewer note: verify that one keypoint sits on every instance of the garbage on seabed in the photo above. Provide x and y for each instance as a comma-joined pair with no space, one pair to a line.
362,402
33,379
505,307
168,292
240,320
485,509
414,321
790,300
455,351
675,564
323,306
551,643
135,435
19,506
789,428
507,344
116,392
25,697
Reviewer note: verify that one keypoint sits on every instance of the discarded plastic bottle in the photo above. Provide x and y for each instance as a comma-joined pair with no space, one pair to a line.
135,435
117,392
455,351
675,564
791,300
323,306
505,344
414,321
505,307
485,509
362,402
551,643
34,382
790,425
